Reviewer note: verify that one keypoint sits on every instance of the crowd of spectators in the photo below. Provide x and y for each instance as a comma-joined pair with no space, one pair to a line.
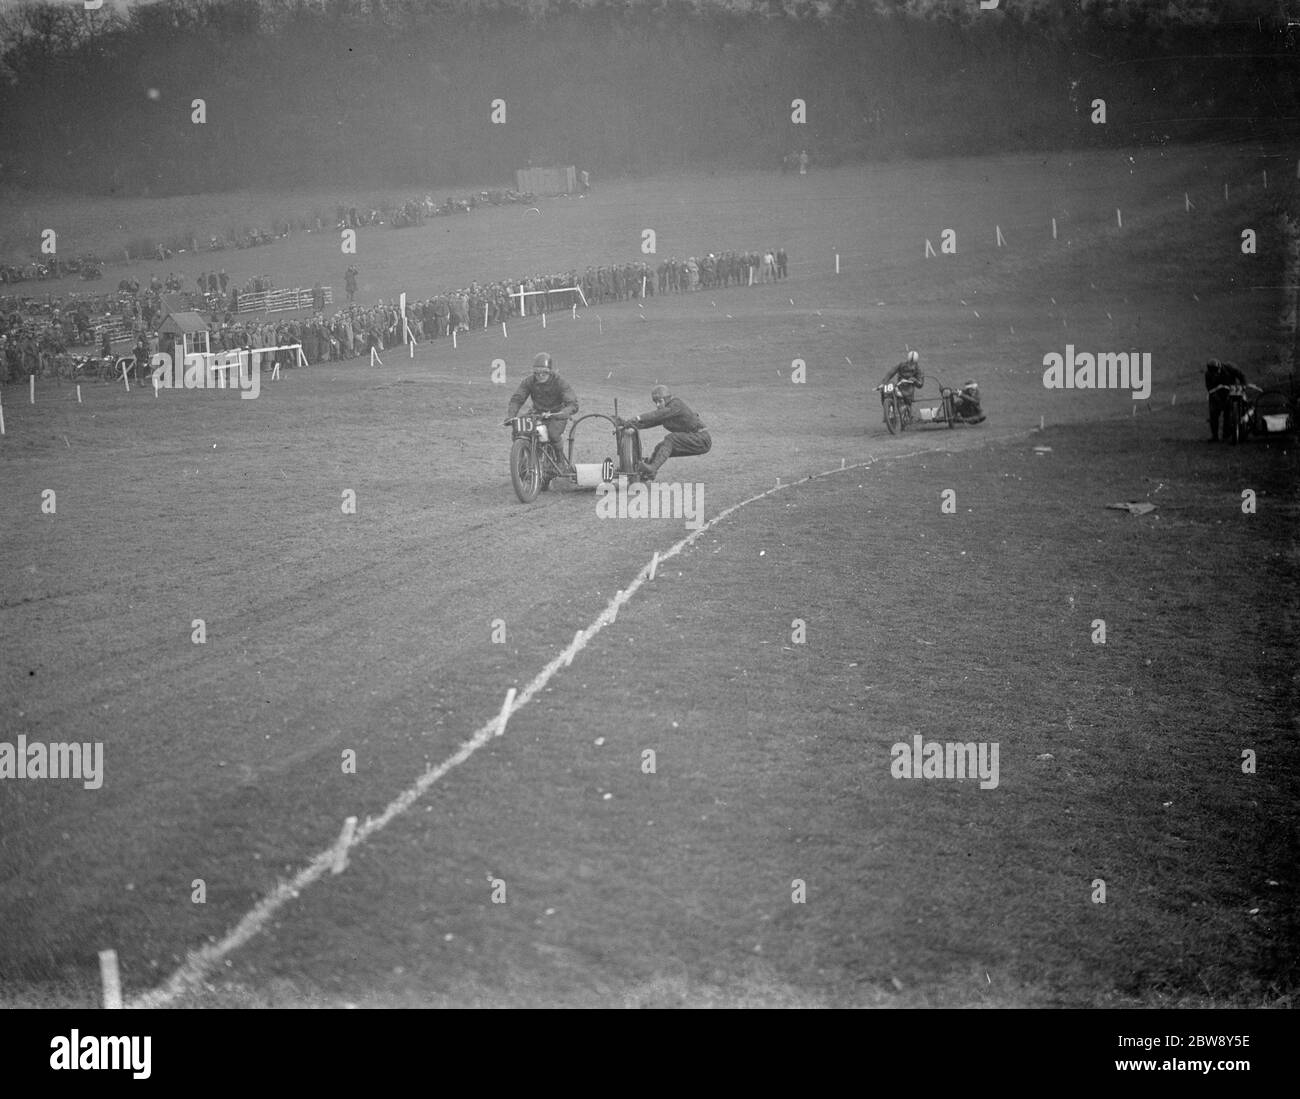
31,329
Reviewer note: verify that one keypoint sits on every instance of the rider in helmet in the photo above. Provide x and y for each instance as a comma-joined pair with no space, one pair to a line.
966,403
549,393
909,376
686,431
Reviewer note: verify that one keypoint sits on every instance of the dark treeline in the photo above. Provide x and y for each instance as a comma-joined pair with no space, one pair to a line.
300,92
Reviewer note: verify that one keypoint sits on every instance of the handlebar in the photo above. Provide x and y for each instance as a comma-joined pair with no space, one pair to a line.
1234,385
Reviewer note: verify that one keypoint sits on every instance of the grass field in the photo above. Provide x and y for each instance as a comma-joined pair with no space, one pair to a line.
372,632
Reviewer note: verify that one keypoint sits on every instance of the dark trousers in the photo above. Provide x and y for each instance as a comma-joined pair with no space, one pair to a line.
1220,405
679,444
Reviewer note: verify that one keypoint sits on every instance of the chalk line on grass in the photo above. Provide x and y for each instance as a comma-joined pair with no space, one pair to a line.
198,963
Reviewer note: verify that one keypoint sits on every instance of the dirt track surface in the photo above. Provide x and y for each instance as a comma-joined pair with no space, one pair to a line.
328,632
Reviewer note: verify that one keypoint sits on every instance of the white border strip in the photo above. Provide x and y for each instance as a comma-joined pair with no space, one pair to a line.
198,963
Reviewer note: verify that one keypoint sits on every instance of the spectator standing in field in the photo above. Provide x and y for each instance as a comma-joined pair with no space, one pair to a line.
224,279
803,162
780,263
350,278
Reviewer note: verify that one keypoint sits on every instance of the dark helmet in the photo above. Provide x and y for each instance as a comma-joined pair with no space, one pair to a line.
543,361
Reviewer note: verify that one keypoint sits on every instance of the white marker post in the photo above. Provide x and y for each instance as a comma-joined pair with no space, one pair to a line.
1225,192
124,381
654,564
1001,239
837,265
575,310
504,334
1187,203
111,979
485,313
1119,218
78,393
31,388
543,319
341,848
453,339
505,712
2,417
1053,228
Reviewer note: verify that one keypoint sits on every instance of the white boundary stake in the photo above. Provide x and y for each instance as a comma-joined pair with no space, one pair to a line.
111,979
78,393
654,564
573,648
374,356
504,334
575,310
453,339
411,345
504,716
124,381
1119,218
31,389
202,961
543,320
837,263
1053,228
2,417
341,848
